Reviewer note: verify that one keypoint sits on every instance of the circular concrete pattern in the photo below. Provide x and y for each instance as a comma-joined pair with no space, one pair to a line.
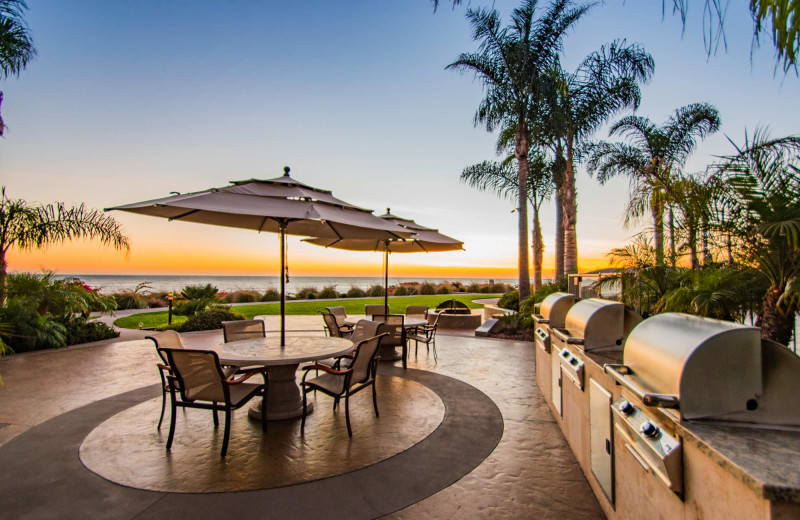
127,448
43,477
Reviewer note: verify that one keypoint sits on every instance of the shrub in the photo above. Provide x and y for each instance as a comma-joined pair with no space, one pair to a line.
498,288
400,291
243,297
509,300
209,319
343,295
80,330
158,299
129,300
306,293
526,307
190,307
444,289
328,292
484,288
427,289
199,292
474,288
355,292
271,295
375,290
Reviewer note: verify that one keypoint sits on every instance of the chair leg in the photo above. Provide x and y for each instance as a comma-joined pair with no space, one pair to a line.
163,406
173,417
375,398
303,421
335,403
435,357
216,417
405,356
264,411
227,435
347,414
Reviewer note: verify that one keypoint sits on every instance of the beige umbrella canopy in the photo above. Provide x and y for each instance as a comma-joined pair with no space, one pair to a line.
423,240
281,205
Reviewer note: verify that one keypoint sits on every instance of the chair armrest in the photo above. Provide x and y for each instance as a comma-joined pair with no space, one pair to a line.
247,374
326,368
166,368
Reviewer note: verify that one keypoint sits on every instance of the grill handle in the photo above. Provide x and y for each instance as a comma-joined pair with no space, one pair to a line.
569,340
662,400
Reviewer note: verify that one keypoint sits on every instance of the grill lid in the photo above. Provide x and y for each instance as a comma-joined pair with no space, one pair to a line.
593,324
553,309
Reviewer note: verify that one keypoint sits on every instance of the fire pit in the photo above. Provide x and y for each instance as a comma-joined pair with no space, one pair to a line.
456,315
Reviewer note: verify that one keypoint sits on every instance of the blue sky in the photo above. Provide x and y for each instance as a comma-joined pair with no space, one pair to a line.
131,100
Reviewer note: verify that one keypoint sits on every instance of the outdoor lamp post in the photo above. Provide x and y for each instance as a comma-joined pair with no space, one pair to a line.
170,299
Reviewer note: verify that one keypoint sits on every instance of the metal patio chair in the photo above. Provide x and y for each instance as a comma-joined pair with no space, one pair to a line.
394,325
427,335
372,310
243,329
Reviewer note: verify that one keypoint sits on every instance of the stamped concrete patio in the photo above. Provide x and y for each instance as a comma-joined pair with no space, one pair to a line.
479,442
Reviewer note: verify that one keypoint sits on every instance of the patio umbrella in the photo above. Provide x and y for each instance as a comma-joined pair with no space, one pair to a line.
423,240
281,205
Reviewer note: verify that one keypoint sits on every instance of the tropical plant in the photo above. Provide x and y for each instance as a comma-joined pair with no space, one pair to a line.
511,62
500,178
653,160
25,227
607,81
208,319
16,44
133,298
764,196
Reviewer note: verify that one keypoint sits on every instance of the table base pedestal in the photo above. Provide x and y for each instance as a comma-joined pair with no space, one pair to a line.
284,397
389,353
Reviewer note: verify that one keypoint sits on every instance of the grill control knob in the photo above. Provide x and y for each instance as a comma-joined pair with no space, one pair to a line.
649,429
626,407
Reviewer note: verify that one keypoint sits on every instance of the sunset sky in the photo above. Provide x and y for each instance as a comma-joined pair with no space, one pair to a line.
128,101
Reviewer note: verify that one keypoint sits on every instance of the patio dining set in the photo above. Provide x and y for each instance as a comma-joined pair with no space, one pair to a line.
222,377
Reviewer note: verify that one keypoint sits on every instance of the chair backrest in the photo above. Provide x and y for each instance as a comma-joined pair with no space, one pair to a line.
165,339
242,329
198,373
364,329
372,310
331,325
417,311
363,359
393,325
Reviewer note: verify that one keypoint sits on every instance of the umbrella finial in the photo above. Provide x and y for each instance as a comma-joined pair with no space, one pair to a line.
388,210
286,171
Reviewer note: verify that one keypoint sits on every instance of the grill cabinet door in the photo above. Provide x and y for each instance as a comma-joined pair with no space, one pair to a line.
555,365
601,440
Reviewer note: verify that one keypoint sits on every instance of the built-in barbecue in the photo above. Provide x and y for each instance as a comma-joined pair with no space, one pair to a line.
592,324
552,314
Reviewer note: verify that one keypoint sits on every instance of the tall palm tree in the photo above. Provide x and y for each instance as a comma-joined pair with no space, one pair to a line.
25,227
500,178
654,156
16,44
606,82
511,62
764,181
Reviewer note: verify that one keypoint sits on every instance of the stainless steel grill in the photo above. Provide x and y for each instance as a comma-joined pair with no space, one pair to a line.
711,370
552,313
593,324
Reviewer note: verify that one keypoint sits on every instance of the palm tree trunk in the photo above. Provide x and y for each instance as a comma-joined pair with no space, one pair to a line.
570,216
559,241
521,151
3,268
776,322
538,250
706,251
673,257
657,210
730,248
692,237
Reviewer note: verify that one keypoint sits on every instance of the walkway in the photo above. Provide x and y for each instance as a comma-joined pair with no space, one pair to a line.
52,400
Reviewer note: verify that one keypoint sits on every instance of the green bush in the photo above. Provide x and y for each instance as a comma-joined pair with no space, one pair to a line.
209,320
129,300
306,293
427,289
509,300
158,299
80,330
526,307
329,293
375,290
474,288
498,288
243,297
355,292
271,295
199,292
400,290
190,307
444,289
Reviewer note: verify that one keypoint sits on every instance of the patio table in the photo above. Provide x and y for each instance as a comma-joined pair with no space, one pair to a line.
388,352
284,399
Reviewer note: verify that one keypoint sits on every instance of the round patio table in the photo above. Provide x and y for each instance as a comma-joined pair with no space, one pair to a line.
388,352
284,399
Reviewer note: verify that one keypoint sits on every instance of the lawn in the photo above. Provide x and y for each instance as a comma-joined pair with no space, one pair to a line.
397,305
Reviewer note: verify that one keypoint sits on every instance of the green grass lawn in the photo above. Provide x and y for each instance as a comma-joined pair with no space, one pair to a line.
397,305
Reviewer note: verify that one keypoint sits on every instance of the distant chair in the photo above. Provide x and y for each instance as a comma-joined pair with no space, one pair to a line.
364,329
332,326
372,310
196,376
344,383
164,339
239,330
417,311
427,335
340,314
394,326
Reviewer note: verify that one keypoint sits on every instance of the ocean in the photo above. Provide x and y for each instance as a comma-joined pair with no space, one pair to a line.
113,283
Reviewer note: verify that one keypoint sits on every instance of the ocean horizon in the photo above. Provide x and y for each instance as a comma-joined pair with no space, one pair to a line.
113,283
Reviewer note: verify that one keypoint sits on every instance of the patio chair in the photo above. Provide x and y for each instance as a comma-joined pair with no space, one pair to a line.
417,311
372,310
196,376
340,314
344,383
165,339
394,325
243,329
427,335
332,326
364,329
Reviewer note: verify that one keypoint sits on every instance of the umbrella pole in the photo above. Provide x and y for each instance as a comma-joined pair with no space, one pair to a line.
283,284
386,279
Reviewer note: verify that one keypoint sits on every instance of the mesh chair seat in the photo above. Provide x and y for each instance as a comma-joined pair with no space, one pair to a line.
239,330
328,382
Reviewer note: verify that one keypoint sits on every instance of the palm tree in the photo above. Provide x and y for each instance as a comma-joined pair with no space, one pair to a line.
764,181
655,156
511,62
16,44
500,178
26,227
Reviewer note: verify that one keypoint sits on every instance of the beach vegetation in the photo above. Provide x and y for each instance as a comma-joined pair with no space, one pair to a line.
328,292
427,289
271,295
242,297
400,290
306,293
509,300
375,290
356,292
444,288
208,319
133,298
